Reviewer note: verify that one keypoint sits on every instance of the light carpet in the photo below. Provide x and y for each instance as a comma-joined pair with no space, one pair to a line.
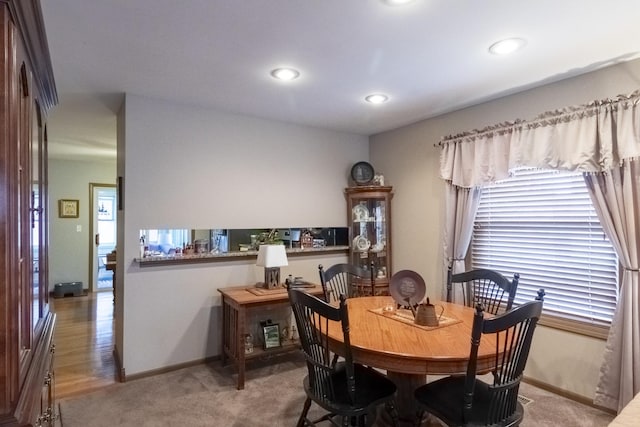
206,395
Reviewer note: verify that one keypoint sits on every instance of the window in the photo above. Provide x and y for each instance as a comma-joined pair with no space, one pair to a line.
542,225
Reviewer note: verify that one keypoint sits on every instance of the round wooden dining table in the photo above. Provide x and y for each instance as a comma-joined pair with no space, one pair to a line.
409,352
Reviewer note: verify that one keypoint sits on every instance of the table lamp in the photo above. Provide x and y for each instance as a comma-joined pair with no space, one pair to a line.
272,257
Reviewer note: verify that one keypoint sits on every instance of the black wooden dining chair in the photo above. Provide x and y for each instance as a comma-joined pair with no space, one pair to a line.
346,279
347,391
469,401
487,287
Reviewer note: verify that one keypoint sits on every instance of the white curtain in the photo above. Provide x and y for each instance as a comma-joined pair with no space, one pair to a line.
477,158
616,197
461,205
597,137
592,138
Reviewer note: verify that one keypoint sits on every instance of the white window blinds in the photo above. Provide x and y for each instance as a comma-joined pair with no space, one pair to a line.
542,225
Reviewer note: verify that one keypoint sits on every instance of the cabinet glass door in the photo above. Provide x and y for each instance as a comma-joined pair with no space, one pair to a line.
369,212
370,234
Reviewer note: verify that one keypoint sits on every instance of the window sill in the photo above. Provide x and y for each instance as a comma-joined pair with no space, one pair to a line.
575,326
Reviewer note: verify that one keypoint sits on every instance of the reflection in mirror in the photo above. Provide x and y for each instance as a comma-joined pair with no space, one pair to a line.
177,242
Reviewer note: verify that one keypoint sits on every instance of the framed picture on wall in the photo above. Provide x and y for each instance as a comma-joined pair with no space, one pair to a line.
68,208
105,208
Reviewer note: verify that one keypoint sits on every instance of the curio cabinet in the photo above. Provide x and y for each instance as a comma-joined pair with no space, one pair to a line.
369,220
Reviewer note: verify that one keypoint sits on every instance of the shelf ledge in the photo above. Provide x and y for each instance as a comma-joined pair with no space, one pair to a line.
227,256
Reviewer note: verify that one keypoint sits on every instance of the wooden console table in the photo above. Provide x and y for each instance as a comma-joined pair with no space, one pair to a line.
236,301
111,266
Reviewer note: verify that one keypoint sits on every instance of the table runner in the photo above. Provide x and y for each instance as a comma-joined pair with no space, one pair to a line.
406,316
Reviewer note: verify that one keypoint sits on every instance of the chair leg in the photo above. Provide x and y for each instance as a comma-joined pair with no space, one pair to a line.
334,361
303,415
325,417
370,418
391,409
419,417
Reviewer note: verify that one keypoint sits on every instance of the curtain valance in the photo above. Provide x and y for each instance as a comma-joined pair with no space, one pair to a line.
593,137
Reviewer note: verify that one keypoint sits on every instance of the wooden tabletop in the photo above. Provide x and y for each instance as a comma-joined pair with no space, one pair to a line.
386,343
243,296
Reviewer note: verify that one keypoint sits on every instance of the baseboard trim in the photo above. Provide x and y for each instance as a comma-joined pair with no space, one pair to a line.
166,369
568,394
118,363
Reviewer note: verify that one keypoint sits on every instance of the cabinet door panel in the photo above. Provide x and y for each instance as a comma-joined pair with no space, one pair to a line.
37,224
24,196
27,92
369,219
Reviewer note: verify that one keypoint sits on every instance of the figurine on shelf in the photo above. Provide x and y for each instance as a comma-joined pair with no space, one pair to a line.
142,247
188,249
248,344
306,240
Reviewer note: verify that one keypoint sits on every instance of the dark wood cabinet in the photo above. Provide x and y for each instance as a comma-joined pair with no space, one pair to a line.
369,219
26,326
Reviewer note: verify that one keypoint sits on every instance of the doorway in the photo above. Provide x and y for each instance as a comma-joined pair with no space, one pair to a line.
103,234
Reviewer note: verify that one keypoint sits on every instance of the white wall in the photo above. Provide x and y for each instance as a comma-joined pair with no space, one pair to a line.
410,163
69,248
186,167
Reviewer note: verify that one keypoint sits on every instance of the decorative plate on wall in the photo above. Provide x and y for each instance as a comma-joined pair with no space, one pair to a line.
362,173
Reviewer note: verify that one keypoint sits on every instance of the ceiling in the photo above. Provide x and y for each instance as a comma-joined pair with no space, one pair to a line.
430,57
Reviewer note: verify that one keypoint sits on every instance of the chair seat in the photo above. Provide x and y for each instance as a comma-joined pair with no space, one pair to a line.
371,387
444,398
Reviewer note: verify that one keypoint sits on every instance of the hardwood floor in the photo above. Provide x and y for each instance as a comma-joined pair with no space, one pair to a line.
84,342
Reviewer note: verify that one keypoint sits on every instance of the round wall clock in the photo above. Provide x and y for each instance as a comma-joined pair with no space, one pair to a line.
362,173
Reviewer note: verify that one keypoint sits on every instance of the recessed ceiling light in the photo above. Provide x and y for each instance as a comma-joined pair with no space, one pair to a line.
506,46
397,2
285,74
376,98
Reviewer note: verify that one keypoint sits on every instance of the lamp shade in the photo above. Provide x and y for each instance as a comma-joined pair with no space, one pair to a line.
272,256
